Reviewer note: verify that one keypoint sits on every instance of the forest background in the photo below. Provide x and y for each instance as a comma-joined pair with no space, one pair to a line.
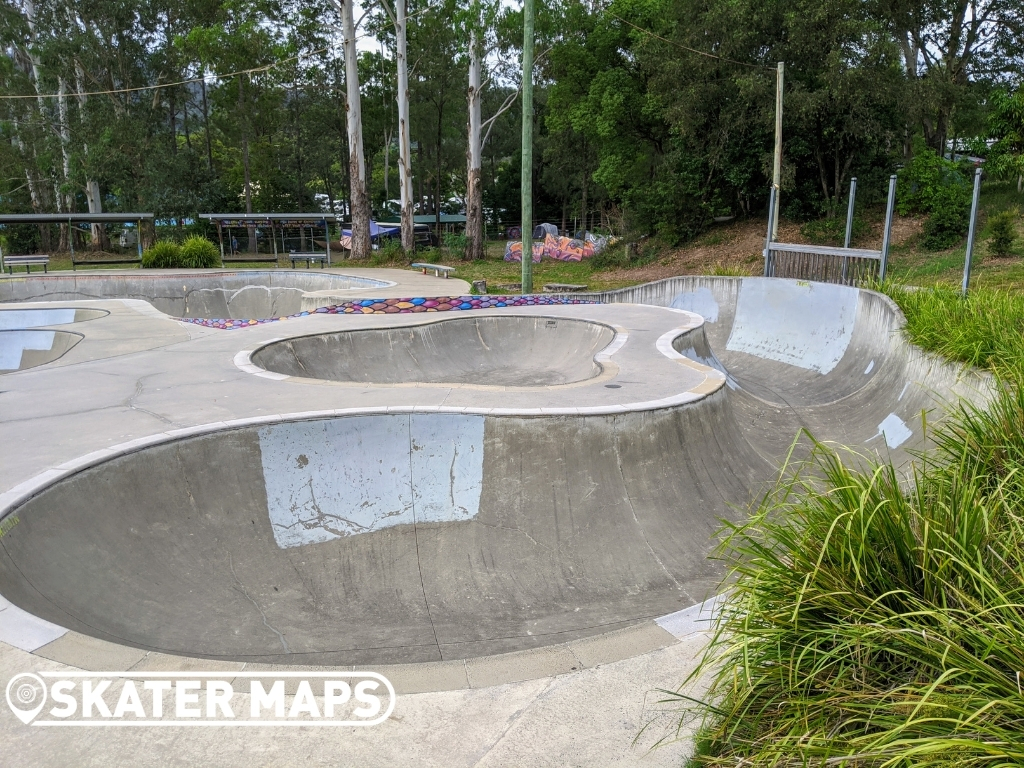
652,117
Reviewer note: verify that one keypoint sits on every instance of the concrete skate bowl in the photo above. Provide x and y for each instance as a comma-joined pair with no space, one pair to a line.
231,295
383,538
503,351
826,358
411,537
23,349
20,319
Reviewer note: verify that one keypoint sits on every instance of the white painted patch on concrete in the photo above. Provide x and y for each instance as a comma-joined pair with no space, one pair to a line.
894,430
903,391
14,343
807,325
17,319
870,368
25,631
696,618
702,301
341,477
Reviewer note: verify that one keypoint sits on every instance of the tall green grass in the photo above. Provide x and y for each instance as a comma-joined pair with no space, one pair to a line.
875,618
985,329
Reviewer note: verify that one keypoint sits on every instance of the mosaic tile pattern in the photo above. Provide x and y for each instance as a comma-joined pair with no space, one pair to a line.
401,307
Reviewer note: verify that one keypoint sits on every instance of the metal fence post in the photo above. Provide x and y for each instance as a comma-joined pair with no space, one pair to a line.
849,213
970,231
890,205
771,225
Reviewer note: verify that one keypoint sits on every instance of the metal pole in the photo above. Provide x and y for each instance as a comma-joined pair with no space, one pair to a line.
220,239
849,213
777,167
887,234
970,231
138,236
327,234
527,169
771,223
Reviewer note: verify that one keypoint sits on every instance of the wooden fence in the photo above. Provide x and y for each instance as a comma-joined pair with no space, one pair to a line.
826,264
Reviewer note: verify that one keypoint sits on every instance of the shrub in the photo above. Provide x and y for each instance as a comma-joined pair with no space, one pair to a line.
456,243
163,254
389,252
949,215
832,231
1003,232
199,253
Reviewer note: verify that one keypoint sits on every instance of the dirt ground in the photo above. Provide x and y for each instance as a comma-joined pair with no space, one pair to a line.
736,249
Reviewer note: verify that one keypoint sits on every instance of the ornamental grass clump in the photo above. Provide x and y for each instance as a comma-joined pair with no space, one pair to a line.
984,329
876,621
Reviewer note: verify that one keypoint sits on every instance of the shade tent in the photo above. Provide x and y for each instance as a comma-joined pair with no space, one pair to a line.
275,221
75,218
376,230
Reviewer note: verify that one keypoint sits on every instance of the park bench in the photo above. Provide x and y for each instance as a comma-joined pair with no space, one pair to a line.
102,258
26,261
437,268
243,258
308,257
563,288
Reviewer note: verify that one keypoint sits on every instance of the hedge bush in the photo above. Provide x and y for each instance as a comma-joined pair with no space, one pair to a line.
199,253
163,254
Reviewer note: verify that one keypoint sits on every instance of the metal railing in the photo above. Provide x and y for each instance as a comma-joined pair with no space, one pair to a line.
825,263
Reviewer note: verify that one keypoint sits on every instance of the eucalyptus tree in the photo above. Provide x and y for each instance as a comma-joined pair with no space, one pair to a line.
359,200
398,13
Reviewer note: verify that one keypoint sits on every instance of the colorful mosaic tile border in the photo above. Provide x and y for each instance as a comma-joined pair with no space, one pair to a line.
401,307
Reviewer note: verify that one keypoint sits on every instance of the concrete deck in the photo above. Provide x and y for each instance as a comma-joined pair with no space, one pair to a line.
553,610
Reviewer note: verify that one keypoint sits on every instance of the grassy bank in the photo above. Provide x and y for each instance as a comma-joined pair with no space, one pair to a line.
872,625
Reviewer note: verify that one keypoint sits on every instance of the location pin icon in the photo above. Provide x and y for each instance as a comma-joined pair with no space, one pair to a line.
26,695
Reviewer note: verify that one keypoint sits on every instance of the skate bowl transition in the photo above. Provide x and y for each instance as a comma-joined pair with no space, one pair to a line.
24,342
483,350
208,295
403,536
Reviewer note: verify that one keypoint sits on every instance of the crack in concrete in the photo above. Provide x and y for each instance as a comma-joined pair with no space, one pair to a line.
515,718
416,539
130,402
643,533
266,623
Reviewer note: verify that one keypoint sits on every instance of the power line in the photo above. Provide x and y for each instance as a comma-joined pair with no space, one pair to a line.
687,48
204,78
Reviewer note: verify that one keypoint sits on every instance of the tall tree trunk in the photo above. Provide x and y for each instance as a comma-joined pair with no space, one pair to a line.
474,190
92,187
360,201
244,118
206,123
404,142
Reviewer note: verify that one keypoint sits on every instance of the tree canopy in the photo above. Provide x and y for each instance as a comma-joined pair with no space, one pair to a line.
652,116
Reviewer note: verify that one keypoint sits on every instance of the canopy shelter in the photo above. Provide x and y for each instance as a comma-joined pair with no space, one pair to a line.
75,218
275,222
376,230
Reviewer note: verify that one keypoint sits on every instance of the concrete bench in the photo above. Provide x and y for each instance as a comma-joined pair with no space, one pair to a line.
563,288
438,269
27,262
308,257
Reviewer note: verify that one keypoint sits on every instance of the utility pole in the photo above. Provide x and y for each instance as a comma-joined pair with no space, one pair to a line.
527,170
777,167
